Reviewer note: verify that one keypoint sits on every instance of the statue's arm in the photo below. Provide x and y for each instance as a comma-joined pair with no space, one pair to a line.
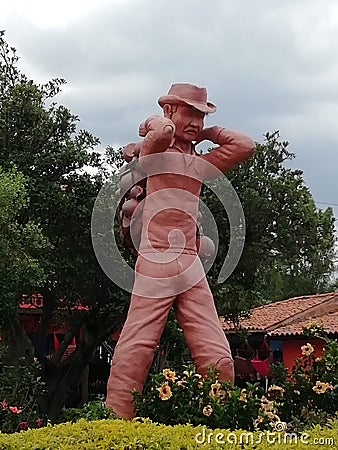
233,148
158,133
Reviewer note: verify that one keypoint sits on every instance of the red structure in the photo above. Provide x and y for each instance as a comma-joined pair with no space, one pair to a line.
281,324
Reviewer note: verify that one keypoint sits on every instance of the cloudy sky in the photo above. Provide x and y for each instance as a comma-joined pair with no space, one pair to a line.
268,65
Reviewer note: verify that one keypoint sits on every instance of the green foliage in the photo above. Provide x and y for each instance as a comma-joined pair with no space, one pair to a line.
311,390
63,175
289,246
21,245
19,388
94,410
172,349
307,396
138,435
190,398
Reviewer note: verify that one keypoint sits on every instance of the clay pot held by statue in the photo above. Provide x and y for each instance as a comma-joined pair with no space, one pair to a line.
205,247
129,207
136,192
128,152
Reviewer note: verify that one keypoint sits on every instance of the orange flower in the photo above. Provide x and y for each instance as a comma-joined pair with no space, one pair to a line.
164,391
223,394
321,388
266,405
275,391
307,349
215,390
207,410
169,375
243,396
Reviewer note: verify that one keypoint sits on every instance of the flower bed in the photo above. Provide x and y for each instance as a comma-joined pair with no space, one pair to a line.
305,397
136,435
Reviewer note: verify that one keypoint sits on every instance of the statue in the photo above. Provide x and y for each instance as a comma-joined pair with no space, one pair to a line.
168,271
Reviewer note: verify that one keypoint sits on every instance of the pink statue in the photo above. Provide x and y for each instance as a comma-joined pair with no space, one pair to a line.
168,271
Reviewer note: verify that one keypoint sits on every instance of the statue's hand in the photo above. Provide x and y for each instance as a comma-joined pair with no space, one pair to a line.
156,123
207,134
142,131
212,134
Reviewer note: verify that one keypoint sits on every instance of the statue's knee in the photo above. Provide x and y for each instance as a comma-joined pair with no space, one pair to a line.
226,367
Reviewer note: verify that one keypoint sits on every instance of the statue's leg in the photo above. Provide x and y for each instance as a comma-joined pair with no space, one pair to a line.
198,318
135,350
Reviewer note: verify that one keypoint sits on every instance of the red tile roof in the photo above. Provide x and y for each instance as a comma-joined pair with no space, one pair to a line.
328,321
287,317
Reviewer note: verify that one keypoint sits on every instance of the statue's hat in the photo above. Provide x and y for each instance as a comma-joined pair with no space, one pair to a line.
188,94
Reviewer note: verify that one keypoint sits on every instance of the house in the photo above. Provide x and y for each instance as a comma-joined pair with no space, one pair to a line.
280,326
94,380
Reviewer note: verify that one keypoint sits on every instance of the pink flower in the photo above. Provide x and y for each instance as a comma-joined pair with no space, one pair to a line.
39,422
4,404
15,410
23,425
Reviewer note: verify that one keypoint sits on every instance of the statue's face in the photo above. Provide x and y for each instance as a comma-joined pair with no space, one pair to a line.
188,121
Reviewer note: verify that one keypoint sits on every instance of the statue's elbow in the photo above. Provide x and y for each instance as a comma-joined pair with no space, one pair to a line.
248,147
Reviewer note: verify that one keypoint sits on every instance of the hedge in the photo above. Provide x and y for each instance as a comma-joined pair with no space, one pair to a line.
137,435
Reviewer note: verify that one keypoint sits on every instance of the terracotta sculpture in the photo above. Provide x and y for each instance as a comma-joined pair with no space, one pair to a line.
168,272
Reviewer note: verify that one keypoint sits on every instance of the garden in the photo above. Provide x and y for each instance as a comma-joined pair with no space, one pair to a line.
182,409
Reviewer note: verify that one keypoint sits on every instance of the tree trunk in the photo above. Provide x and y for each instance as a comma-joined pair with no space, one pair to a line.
67,378
64,379
18,344
49,302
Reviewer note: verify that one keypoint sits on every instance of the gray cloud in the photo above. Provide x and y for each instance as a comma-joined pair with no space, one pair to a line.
267,65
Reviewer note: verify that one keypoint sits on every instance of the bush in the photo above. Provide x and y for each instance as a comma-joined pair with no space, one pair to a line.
136,435
172,398
311,390
306,397
20,387
95,410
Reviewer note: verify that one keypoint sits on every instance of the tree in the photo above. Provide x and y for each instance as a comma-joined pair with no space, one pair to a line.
289,246
41,139
21,247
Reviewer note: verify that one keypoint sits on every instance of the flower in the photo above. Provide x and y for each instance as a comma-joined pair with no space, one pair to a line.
207,410
223,394
307,349
15,410
311,324
4,404
39,422
23,425
274,421
169,375
164,391
189,373
243,396
180,383
215,389
272,416
257,421
321,388
275,391
266,405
